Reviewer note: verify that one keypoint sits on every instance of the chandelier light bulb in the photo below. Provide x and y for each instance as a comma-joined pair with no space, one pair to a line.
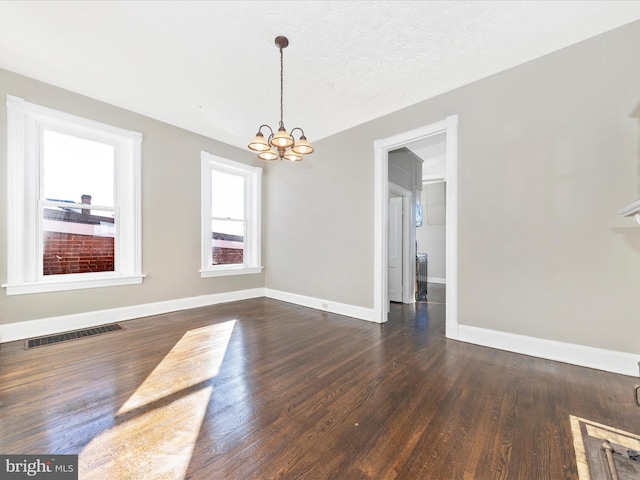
268,155
302,146
282,139
259,144
292,156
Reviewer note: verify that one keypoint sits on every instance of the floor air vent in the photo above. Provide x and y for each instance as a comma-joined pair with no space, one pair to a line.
68,336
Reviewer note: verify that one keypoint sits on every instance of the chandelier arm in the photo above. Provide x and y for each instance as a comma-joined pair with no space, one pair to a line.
265,125
297,128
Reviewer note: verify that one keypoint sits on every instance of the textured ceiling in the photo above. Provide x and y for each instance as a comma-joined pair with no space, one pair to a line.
212,67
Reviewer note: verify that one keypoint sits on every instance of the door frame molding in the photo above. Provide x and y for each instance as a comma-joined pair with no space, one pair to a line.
408,239
448,126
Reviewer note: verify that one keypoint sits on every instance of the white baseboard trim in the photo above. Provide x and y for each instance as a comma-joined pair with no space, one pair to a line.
584,356
600,359
436,280
361,313
52,325
48,326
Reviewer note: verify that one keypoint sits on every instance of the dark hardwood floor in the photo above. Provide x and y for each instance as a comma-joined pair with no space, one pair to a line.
261,389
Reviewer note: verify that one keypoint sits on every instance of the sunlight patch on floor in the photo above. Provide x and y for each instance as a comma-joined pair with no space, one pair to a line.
196,358
156,429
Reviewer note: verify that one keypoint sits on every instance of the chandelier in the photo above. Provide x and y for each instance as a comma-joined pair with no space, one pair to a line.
280,145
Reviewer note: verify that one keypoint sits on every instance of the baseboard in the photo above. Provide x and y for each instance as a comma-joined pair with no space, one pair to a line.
436,280
361,313
51,325
584,356
600,359
48,326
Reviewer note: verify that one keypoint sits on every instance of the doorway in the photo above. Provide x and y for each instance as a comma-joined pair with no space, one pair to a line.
382,147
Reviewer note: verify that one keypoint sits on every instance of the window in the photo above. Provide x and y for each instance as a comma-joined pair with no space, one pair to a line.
74,201
230,217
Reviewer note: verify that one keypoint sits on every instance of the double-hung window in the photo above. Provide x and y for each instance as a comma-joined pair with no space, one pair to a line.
230,217
73,201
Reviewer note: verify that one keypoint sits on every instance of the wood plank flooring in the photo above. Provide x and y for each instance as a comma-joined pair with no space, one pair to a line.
261,389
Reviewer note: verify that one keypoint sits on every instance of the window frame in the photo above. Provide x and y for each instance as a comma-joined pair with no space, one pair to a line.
252,213
26,123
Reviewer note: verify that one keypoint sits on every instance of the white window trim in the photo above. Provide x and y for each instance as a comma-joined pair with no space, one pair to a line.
25,122
253,234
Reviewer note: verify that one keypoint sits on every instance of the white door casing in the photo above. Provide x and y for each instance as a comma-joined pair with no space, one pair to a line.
449,126
395,249
408,242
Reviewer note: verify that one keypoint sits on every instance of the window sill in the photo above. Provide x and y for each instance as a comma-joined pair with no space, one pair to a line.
230,270
63,284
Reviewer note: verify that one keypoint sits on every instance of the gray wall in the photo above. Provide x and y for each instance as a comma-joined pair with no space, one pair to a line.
319,226
170,211
405,169
548,154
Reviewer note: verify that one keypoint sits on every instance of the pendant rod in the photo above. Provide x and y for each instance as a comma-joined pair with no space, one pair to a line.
281,87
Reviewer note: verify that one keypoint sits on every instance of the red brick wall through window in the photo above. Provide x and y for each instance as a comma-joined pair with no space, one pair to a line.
227,256
66,253
227,249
